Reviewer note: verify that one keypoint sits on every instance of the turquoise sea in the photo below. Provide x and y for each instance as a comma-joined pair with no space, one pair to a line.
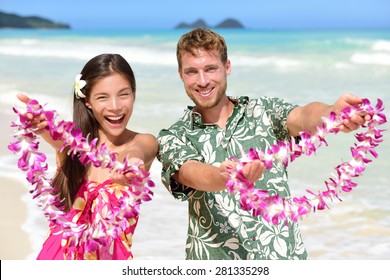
298,65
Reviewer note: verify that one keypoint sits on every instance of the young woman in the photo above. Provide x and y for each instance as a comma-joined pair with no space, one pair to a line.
103,103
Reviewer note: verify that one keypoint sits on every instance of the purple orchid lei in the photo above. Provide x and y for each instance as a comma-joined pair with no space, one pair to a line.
33,162
275,208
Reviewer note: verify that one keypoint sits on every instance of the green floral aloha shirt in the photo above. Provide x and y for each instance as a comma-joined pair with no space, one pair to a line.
218,227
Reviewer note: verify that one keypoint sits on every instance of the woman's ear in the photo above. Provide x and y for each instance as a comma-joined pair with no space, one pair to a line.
88,105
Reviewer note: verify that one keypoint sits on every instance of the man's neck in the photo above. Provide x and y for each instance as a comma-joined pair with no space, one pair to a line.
219,114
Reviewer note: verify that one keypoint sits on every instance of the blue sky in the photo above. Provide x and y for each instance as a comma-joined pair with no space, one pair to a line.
127,14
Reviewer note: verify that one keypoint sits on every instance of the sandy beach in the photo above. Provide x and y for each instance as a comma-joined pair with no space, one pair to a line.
14,241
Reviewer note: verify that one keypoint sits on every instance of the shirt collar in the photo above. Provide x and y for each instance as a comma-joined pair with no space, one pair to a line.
195,118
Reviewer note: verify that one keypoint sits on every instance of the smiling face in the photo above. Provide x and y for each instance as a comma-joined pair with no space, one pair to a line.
111,101
204,77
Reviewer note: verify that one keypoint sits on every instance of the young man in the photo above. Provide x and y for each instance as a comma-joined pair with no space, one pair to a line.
195,152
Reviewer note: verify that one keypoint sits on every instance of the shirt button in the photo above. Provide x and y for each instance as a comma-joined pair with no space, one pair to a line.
253,238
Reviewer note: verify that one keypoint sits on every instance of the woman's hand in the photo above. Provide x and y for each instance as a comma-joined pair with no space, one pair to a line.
39,122
126,178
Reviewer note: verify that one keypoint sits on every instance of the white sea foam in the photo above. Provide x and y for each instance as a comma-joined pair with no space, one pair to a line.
29,42
278,62
66,50
381,45
378,58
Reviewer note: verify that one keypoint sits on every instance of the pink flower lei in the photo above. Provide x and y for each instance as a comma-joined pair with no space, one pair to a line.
276,208
115,218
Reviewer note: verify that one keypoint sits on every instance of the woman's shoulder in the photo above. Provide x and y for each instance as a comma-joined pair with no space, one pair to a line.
134,136
138,136
144,139
147,143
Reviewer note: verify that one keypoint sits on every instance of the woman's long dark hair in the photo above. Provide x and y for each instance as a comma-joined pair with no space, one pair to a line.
71,173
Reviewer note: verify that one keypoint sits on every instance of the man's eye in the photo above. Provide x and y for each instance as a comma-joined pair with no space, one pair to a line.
191,72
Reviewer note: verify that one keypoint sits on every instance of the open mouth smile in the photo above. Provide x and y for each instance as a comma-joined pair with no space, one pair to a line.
115,119
205,92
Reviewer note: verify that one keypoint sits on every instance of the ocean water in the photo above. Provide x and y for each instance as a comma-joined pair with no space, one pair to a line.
300,66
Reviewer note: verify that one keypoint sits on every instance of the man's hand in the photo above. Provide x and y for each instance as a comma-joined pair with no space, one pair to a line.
356,120
252,170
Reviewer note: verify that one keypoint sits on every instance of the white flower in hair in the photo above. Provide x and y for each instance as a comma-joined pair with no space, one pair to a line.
78,85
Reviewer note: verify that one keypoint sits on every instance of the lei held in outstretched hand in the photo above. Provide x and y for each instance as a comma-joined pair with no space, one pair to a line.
114,217
275,208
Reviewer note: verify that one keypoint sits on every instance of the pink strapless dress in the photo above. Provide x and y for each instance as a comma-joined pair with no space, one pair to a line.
89,207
